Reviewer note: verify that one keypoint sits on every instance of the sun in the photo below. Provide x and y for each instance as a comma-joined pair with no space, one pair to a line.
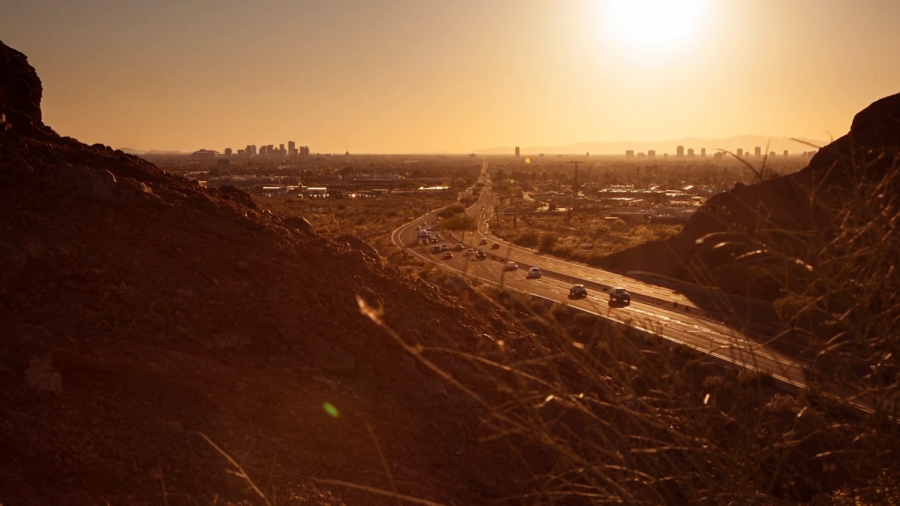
654,25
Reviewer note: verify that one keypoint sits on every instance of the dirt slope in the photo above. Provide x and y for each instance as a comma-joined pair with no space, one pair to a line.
799,206
137,308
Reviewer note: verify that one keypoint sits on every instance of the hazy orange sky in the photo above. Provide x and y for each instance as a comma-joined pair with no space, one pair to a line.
452,76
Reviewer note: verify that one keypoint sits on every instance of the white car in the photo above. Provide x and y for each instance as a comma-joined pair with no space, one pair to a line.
511,266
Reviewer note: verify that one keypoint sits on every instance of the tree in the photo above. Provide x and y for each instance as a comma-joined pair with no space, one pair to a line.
546,243
460,183
792,306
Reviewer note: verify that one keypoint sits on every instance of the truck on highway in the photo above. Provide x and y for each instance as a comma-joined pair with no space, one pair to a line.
423,237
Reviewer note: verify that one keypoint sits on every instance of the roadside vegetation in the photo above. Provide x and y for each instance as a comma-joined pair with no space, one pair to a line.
371,219
579,237
622,415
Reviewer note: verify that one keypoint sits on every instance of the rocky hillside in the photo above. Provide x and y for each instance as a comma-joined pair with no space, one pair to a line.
138,310
740,239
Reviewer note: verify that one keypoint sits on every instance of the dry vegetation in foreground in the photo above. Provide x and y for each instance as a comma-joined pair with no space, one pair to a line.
615,414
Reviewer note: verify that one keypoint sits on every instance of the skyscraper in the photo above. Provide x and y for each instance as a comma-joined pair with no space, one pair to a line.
629,153
292,148
517,151
227,151
757,151
702,151
740,151
690,151
651,153
679,151
785,153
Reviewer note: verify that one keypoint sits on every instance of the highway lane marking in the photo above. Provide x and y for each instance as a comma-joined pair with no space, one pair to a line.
659,327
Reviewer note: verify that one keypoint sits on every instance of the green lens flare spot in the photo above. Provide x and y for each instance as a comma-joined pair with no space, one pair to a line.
331,410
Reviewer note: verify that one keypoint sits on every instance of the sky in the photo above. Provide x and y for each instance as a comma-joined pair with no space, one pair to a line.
429,76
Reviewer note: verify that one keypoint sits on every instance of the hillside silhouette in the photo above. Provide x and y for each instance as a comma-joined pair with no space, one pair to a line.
138,308
780,228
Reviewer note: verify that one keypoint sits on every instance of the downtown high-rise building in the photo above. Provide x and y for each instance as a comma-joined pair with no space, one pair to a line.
292,148
757,151
679,151
651,153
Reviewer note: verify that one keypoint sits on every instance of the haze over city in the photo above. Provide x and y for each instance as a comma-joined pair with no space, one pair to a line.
452,77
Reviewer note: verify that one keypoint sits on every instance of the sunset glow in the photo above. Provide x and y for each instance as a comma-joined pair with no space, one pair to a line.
655,25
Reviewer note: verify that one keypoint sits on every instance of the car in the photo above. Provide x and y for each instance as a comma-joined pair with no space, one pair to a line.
534,272
482,242
459,247
434,240
496,245
448,254
511,266
469,252
578,291
619,294
444,247
480,255
436,249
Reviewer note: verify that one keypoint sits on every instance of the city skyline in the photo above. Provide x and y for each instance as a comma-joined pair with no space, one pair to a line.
412,77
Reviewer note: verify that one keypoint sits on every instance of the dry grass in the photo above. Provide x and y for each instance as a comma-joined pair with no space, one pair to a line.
595,412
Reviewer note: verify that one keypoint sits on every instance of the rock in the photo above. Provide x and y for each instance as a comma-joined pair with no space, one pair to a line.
231,341
132,186
98,183
41,376
237,195
20,89
358,244
298,223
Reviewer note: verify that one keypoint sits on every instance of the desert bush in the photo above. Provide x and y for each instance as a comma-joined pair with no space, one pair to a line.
547,242
713,383
529,238
785,405
557,311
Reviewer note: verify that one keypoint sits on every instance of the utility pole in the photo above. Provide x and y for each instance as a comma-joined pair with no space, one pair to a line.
574,190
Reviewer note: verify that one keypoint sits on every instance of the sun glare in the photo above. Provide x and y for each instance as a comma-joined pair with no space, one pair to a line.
654,25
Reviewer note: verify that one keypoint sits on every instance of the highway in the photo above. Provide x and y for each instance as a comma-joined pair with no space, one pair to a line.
653,307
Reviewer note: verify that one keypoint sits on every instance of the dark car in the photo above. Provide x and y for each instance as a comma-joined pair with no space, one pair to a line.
482,242
436,249
459,247
480,255
620,295
578,291
444,247
496,245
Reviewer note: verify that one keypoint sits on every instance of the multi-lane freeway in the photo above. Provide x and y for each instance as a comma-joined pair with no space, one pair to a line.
653,308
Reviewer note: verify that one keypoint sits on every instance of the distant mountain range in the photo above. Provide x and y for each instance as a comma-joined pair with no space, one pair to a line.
132,151
745,142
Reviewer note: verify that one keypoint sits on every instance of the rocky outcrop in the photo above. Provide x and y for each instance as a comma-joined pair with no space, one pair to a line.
20,91
730,225
166,304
